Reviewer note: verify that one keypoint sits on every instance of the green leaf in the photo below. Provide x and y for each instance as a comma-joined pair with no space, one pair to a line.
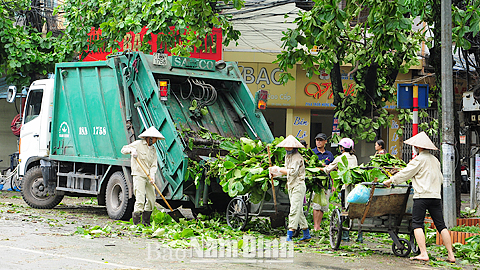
265,186
238,187
228,165
260,179
237,173
186,233
193,105
247,148
232,192
256,170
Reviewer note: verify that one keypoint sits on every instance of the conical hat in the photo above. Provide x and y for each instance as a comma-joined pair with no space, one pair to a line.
152,132
421,140
290,141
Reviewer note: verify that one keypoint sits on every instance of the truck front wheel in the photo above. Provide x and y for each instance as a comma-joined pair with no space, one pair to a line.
35,193
119,206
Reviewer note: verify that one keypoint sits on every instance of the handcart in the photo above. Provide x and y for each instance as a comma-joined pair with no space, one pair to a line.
240,209
388,210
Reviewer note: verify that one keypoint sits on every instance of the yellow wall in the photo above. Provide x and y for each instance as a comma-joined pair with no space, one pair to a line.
298,123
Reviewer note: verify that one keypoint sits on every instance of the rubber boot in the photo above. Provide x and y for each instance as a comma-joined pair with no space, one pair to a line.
146,218
345,236
306,235
136,217
360,237
289,235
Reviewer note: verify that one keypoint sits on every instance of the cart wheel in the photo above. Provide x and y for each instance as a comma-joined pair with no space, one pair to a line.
237,214
335,229
405,250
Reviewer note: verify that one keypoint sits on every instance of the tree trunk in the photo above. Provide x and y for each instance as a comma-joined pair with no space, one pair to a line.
371,79
337,87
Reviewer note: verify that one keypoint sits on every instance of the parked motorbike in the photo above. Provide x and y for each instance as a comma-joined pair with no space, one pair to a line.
465,178
9,179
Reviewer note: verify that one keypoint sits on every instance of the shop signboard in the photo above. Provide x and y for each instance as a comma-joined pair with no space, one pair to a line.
264,76
301,124
317,92
210,49
394,142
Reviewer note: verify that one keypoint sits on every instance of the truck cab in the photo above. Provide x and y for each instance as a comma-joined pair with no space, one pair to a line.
36,125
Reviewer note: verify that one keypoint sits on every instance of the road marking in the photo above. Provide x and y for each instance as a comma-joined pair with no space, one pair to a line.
73,258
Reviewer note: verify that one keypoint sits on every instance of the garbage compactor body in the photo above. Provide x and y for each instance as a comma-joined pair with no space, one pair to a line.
76,124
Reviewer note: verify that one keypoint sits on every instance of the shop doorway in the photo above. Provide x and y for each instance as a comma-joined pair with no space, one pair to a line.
276,121
321,122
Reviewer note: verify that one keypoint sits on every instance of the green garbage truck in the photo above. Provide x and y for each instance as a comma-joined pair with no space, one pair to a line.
76,123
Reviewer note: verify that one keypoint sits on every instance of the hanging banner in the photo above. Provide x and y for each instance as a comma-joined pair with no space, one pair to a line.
335,131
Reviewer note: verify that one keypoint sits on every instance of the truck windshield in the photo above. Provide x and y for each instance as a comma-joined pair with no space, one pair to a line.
34,104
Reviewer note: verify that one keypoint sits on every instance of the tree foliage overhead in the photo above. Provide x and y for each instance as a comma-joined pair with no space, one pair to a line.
25,52
186,20
377,48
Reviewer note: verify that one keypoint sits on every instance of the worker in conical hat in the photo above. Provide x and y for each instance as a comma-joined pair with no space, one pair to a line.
295,171
427,178
143,151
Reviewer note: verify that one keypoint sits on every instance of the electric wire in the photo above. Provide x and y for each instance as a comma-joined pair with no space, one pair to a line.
262,7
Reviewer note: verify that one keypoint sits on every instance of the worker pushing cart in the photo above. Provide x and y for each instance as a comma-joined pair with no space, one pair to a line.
427,178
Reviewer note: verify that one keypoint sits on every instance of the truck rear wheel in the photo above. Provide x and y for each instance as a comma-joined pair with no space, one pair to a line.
119,206
35,193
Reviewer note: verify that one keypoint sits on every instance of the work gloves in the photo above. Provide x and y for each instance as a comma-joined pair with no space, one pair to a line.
274,171
134,153
152,178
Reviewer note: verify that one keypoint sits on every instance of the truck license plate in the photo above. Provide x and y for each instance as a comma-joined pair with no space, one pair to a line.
160,59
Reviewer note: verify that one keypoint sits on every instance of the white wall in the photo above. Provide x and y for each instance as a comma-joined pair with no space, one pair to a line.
261,25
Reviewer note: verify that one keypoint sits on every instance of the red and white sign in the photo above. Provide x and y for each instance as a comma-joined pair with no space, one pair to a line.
211,47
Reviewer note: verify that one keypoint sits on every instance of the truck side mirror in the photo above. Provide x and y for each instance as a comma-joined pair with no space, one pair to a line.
11,94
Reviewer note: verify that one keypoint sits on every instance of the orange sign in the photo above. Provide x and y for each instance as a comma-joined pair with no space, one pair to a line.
317,91
210,49
324,87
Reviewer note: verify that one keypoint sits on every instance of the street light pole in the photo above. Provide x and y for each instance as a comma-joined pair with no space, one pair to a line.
448,150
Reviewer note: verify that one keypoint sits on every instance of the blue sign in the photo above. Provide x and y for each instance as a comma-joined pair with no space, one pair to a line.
405,96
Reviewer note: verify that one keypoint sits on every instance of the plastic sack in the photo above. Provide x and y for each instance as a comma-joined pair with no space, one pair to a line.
360,194
320,198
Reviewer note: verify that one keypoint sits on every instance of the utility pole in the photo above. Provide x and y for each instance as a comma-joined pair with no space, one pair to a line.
448,150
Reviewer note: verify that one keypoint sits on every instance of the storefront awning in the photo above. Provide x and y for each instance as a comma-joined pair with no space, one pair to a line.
461,65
